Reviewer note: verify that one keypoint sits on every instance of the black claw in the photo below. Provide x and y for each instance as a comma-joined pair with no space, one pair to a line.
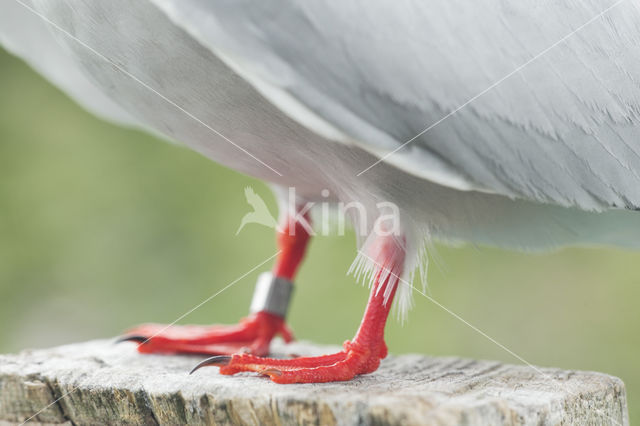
218,360
133,338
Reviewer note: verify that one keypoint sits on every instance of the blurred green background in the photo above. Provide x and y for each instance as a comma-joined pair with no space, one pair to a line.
102,228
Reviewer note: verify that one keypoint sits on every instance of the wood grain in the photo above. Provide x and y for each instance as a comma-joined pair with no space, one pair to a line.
112,383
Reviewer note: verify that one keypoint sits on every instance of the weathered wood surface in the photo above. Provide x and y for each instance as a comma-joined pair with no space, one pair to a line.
108,383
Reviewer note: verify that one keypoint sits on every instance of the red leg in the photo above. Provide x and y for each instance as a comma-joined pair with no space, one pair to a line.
360,356
253,334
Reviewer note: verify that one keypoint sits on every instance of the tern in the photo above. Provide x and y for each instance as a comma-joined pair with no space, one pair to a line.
511,124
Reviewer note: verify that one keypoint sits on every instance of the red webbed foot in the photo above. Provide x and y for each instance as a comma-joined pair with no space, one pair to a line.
252,335
362,355
355,359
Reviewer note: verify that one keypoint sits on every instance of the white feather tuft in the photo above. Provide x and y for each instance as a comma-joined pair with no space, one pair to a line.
394,264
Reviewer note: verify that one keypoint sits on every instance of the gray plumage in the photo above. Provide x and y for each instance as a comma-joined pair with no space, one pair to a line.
310,94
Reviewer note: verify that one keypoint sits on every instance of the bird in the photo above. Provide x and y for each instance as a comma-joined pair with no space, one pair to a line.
509,124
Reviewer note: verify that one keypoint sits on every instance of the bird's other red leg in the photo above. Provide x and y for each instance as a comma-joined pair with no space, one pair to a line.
252,334
360,356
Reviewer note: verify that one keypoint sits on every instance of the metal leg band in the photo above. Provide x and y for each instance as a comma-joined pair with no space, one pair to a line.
272,294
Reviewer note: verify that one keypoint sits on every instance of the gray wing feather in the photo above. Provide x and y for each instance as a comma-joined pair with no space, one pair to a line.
533,140
29,36
563,130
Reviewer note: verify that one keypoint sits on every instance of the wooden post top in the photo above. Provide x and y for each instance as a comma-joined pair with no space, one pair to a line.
105,382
